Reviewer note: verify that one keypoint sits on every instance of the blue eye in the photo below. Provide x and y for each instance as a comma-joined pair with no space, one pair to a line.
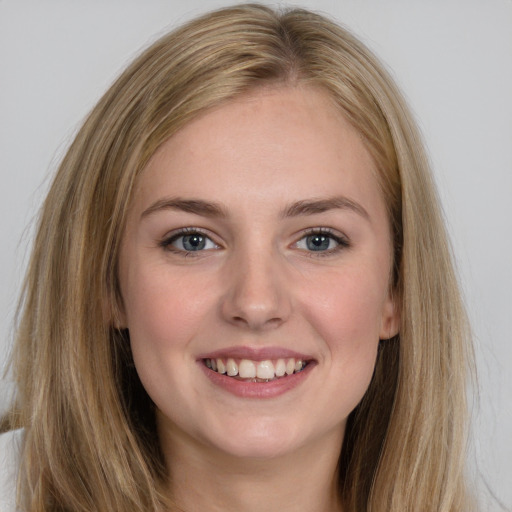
189,241
320,241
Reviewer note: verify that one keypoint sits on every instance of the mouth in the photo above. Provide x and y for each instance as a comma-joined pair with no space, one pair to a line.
248,370
257,373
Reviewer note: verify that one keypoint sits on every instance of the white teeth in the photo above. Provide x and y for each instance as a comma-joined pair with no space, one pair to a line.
221,367
231,368
247,369
265,370
280,368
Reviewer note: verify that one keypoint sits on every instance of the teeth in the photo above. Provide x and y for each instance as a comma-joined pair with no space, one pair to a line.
280,368
264,370
231,368
247,369
221,367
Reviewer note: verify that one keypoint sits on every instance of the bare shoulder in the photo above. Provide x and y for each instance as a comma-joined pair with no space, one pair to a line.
10,443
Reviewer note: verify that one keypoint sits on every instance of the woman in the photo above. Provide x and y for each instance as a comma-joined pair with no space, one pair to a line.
233,299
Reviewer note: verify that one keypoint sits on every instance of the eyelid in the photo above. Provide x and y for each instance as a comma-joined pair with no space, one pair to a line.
167,241
343,242
341,239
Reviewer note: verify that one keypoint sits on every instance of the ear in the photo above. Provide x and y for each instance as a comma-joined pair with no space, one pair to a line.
114,312
390,320
119,320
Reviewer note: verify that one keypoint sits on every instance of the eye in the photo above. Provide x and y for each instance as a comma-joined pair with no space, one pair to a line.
188,241
321,241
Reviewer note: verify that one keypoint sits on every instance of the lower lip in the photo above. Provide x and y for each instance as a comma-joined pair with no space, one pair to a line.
269,389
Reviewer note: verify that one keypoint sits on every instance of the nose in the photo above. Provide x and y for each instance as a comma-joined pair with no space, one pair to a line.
257,296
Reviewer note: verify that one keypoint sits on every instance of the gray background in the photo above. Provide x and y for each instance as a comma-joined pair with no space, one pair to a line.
452,58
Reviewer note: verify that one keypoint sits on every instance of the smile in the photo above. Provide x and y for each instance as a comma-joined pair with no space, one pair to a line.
256,371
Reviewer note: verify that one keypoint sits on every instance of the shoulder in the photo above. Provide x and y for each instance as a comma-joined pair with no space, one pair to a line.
10,443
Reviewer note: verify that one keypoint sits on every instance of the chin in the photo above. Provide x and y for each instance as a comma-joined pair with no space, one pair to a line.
258,448
259,440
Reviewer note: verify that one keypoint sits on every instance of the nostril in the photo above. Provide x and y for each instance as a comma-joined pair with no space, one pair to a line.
257,323
240,320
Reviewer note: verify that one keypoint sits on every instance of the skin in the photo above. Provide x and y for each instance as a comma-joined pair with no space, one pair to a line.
257,284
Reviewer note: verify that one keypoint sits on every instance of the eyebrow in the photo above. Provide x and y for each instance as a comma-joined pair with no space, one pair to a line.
196,206
215,210
315,206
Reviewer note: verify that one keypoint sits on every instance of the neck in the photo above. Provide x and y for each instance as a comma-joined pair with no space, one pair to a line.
203,478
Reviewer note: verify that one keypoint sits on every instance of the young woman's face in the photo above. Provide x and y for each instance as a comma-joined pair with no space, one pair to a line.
255,272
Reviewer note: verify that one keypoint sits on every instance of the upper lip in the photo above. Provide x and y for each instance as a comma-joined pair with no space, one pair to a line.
255,353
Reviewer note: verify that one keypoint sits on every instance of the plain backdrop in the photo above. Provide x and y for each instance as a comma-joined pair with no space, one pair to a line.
452,58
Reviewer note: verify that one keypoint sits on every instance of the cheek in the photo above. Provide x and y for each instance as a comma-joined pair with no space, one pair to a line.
346,310
162,315
159,302
343,308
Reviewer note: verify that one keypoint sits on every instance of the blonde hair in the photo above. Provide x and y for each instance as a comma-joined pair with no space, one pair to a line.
90,440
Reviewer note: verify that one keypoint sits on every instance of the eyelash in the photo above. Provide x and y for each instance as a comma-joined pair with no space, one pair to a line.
341,241
167,242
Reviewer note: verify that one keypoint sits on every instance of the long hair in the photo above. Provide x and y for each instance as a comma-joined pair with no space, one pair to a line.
90,438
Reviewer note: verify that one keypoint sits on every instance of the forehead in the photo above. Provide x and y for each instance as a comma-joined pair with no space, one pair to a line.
271,144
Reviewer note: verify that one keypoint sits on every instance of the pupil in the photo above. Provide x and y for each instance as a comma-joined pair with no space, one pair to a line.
193,242
317,242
